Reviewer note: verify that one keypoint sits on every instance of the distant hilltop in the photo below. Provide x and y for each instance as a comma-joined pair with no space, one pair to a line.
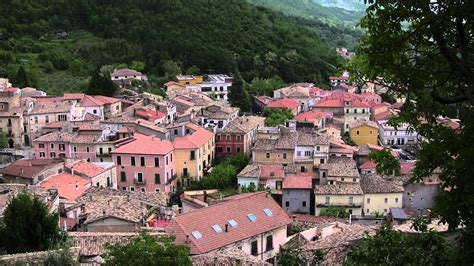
353,5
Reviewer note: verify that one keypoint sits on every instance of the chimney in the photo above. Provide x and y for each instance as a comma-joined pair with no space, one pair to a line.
187,239
77,185
226,228
205,196
72,170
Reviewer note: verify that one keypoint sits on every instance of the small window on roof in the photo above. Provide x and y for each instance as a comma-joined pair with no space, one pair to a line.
268,212
196,234
252,217
217,228
233,223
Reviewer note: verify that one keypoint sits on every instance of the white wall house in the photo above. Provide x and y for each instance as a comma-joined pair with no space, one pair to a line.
400,136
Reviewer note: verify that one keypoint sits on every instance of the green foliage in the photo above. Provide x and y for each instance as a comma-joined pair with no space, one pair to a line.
386,163
333,211
138,65
101,85
157,91
239,95
3,140
348,140
222,176
261,86
193,70
239,161
148,250
62,257
28,226
171,69
423,53
389,247
296,257
276,117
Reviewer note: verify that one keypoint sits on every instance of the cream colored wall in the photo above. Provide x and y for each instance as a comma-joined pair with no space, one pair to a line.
102,178
279,238
16,128
377,202
340,200
276,156
181,159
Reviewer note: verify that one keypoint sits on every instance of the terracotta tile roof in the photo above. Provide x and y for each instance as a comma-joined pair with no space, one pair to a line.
264,99
145,145
330,103
233,256
312,115
194,140
125,72
340,167
91,117
106,100
27,168
150,114
170,83
117,207
90,101
69,187
271,171
93,243
251,170
295,91
10,190
368,165
58,124
407,168
203,219
244,124
362,122
283,103
87,169
340,188
377,184
48,108
151,198
56,136
298,182
73,96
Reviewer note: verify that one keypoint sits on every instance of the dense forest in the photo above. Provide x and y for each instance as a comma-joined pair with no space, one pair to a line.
60,43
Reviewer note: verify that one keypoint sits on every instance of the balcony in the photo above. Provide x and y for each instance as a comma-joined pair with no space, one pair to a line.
139,181
346,205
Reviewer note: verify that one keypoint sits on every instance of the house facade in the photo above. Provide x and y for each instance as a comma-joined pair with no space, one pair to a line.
363,132
238,136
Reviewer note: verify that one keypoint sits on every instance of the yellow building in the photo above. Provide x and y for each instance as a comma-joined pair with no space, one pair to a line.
347,195
189,79
364,131
11,119
380,194
193,153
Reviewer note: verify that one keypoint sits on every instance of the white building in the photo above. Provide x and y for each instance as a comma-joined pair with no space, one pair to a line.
400,136
218,85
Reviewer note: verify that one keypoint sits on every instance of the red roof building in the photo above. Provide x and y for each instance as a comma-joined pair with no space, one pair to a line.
287,104
69,186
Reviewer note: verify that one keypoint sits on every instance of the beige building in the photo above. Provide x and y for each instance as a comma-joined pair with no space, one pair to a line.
11,119
43,113
380,194
347,195
339,169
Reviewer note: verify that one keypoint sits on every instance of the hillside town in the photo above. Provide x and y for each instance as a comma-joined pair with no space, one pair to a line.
111,167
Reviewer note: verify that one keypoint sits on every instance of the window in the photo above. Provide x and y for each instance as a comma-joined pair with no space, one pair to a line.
52,145
298,153
219,149
287,204
52,155
217,228
368,200
193,155
157,190
238,137
88,149
62,118
233,223
321,160
385,200
94,111
238,149
396,200
227,137
254,248
307,153
157,178
228,149
171,157
218,137
74,149
252,217
371,132
42,155
101,151
347,111
176,132
119,159
132,160
328,200
36,120
358,132
142,161
355,111
284,155
385,210
269,245
368,211
46,119
267,155
351,200
62,147
303,169
143,189
185,172
41,145
268,212
303,203
324,174
157,162
139,177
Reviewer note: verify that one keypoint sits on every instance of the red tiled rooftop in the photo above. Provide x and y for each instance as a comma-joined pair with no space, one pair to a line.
150,114
407,168
145,145
312,115
283,103
368,165
26,168
86,169
171,83
330,103
202,221
69,186
271,171
194,140
73,96
58,124
298,182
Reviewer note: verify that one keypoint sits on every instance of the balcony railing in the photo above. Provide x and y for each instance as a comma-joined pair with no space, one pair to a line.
139,181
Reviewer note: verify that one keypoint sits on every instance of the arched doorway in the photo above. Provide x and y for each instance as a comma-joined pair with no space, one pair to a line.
11,144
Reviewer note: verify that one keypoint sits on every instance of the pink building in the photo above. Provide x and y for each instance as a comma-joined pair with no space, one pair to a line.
145,164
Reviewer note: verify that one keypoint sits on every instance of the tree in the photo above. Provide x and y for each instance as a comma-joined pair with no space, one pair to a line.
3,140
239,161
423,51
171,69
238,94
276,117
222,176
386,163
22,78
331,211
28,226
101,85
260,86
193,70
388,247
138,65
296,257
148,250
